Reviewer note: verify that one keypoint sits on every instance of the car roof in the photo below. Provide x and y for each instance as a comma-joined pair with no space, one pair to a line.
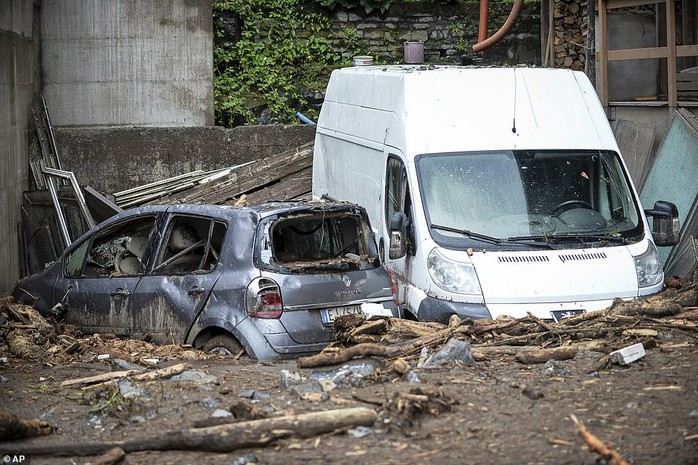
262,211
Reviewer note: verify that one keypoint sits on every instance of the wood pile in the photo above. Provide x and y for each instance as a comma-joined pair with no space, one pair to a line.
528,339
569,34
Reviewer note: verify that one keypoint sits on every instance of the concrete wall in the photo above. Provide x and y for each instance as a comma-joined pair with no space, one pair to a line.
19,52
128,62
114,159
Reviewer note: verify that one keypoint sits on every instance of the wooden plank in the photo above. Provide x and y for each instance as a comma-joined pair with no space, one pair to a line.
291,187
614,4
648,53
261,176
671,46
637,53
690,86
602,56
248,179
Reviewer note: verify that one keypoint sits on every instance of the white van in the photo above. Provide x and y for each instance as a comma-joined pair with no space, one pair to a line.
492,191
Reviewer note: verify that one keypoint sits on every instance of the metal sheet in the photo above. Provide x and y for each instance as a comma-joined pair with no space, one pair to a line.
635,141
672,176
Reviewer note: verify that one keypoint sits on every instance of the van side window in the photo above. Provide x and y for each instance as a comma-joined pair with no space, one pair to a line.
398,197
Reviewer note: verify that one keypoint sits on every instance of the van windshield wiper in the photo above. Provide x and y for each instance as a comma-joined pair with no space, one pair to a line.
591,237
465,232
538,241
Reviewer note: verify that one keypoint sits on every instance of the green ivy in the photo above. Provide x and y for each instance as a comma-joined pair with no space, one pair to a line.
278,56
369,6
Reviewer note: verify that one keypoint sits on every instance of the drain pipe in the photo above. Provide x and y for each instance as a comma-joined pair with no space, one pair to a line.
504,30
482,31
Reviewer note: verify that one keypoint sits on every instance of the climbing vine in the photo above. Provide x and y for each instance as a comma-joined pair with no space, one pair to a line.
275,59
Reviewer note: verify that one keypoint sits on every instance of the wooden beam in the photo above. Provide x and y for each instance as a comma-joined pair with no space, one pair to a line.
614,4
637,53
650,52
602,88
671,46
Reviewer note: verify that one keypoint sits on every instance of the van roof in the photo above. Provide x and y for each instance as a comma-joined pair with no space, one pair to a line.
431,109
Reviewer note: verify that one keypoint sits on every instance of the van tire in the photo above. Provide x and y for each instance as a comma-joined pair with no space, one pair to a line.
222,344
405,314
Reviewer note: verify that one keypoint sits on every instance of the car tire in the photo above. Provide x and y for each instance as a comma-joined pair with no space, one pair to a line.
222,344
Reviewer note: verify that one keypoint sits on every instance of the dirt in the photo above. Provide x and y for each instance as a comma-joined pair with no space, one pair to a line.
495,411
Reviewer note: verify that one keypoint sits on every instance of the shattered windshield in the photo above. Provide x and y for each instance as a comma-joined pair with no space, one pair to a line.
316,242
517,196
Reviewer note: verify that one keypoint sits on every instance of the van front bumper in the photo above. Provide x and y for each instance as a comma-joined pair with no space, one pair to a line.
431,309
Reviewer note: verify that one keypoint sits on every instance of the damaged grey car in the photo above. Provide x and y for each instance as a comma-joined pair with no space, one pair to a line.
268,279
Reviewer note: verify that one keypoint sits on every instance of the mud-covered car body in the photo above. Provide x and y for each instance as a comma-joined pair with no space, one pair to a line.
271,277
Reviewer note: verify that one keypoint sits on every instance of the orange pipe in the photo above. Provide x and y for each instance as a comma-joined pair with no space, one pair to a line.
504,30
482,32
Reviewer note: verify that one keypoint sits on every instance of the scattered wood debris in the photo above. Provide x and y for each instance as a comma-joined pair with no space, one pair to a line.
112,456
12,427
529,339
409,406
597,445
220,438
137,375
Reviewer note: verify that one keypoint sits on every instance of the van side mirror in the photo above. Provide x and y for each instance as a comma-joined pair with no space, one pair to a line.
398,236
665,223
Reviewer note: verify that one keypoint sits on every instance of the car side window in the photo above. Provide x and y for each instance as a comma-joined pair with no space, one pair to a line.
116,251
191,245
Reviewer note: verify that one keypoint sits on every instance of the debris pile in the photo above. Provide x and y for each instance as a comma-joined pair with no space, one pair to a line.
28,335
528,339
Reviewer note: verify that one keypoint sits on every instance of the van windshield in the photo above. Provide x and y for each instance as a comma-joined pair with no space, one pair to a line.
517,196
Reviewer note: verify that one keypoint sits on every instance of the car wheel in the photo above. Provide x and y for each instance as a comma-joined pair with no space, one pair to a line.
222,344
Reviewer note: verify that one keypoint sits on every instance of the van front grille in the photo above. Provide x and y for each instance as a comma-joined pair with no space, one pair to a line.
523,259
582,256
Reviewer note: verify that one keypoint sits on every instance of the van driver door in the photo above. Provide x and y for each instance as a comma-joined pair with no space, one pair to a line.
398,199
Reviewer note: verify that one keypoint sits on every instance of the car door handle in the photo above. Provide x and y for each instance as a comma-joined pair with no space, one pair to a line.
196,290
120,293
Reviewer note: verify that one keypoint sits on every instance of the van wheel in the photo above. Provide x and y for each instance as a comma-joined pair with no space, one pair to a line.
407,315
222,344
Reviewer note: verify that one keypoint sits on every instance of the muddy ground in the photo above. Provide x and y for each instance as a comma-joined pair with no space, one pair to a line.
495,410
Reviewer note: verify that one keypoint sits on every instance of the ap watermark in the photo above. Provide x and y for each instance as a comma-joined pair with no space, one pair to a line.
16,458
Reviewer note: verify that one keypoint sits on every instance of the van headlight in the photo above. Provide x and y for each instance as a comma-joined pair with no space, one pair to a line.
452,276
649,270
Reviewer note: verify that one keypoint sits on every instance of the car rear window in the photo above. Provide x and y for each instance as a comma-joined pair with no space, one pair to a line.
322,241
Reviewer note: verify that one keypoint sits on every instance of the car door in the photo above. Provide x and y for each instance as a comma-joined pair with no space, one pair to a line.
103,273
182,271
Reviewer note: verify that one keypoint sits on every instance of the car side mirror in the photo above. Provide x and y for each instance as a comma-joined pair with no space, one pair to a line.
398,236
665,223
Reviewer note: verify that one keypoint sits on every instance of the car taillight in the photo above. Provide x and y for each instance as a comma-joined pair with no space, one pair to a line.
264,299
393,287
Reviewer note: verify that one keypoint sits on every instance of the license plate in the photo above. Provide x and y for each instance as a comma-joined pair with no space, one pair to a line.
329,314
559,315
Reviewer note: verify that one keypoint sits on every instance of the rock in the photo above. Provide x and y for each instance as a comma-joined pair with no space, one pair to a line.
454,350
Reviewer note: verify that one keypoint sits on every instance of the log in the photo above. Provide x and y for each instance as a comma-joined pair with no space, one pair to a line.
12,427
112,456
220,438
134,374
342,355
99,378
535,355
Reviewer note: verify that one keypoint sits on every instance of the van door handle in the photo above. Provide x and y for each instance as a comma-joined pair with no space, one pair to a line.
196,290
118,293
